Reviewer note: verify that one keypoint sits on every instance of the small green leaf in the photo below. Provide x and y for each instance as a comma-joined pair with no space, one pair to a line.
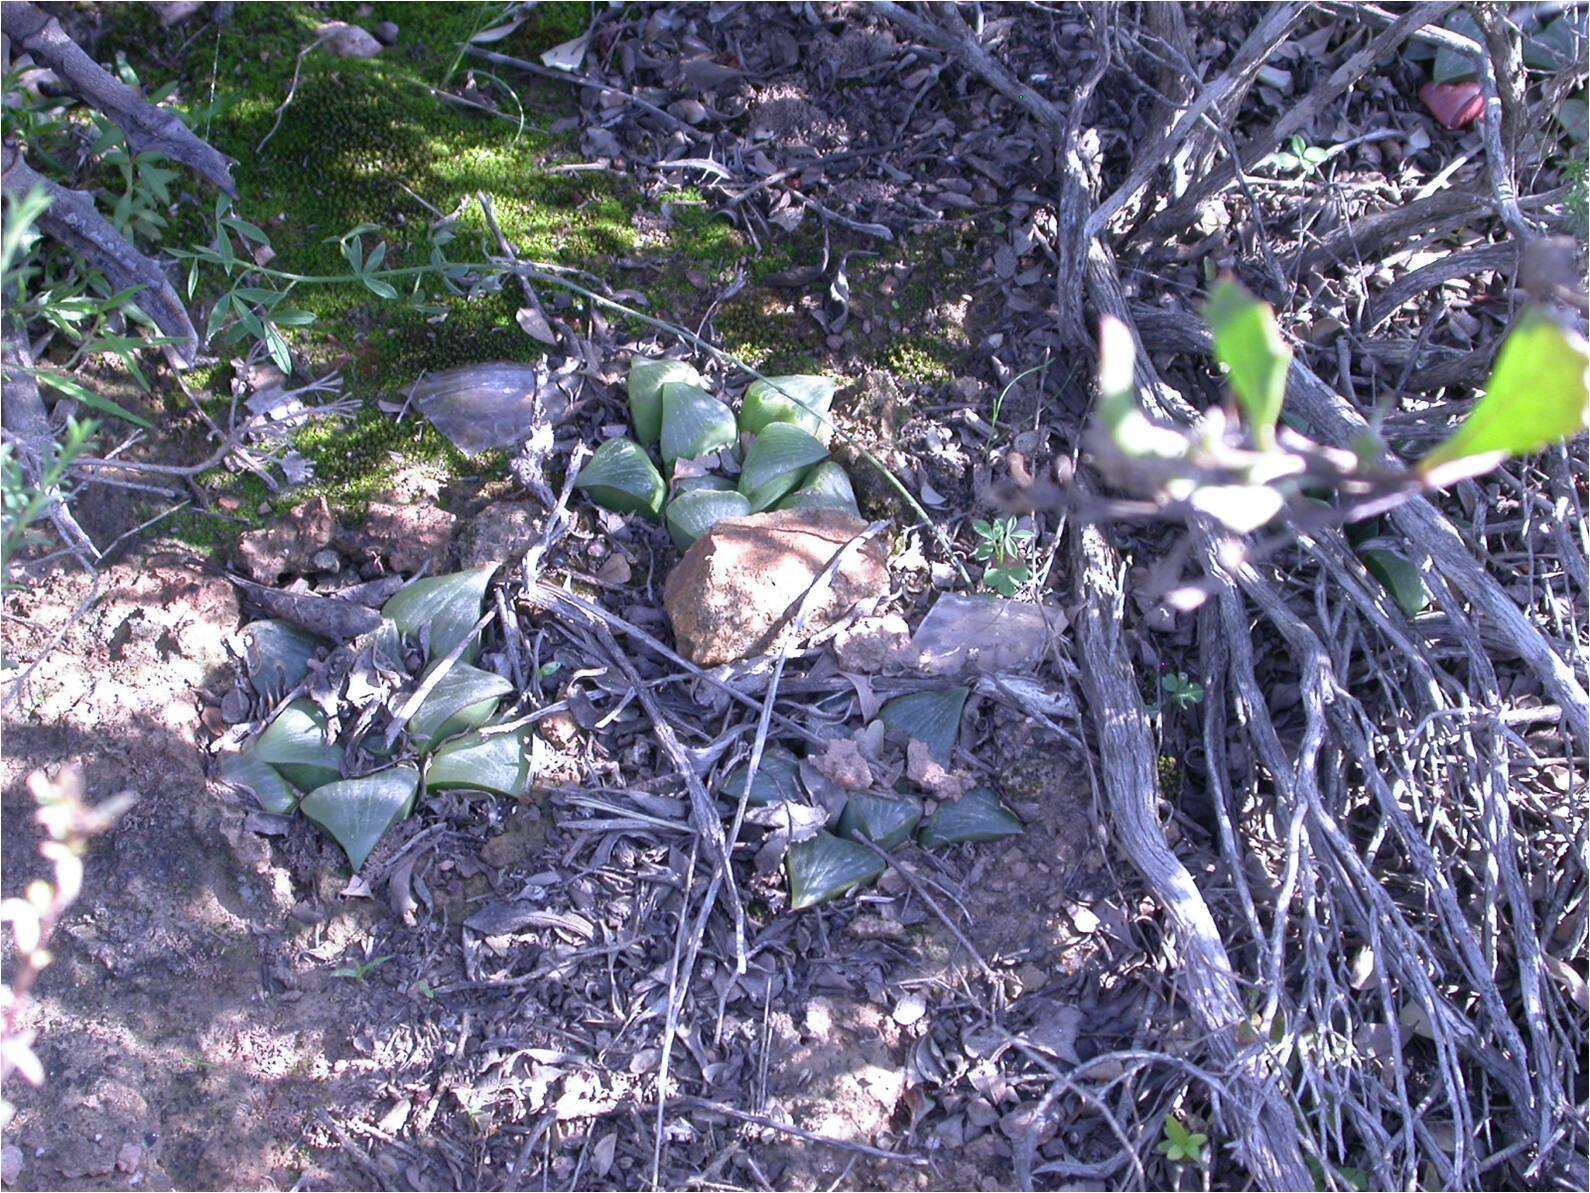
801,399
379,288
499,762
74,389
1248,342
777,463
356,813
933,718
264,782
295,744
826,487
885,820
646,379
976,816
691,515
463,699
1399,577
450,605
1538,395
693,423
621,477
1556,46
1130,431
777,779
827,866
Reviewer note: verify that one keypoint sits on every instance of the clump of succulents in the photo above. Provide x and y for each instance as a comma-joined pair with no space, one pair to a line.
356,780
835,858
772,455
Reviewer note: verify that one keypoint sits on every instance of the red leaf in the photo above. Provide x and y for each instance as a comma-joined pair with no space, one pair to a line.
1455,105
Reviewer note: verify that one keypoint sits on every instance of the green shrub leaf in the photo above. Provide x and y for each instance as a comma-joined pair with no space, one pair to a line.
1538,395
976,816
357,812
778,462
827,866
1248,342
646,379
693,423
622,478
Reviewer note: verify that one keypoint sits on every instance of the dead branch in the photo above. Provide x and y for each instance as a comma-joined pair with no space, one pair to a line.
149,129
1295,117
1266,1136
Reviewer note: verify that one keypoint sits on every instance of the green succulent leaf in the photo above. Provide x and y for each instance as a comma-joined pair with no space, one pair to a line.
463,699
278,655
646,380
885,820
696,484
264,782
801,399
621,477
691,515
295,745
1248,342
693,423
976,816
450,605
827,866
779,459
356,813
1451,66
777,779
498,762
1539,394
826,487
1399,577
933,718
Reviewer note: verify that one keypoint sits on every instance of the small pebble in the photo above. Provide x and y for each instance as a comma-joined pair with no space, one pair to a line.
910,1009
386,33
11,1162
1083,920
326,560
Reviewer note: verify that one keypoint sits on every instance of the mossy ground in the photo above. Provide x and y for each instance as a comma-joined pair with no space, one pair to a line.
373,142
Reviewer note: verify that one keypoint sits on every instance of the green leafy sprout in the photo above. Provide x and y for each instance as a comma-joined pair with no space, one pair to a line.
1181,1146
360,970
1181,690
1003,547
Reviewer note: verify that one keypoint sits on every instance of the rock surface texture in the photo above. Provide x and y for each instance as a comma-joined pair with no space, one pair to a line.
740,583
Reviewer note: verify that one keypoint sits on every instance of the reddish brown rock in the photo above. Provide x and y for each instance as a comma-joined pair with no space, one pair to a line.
290,546
405,536
739,584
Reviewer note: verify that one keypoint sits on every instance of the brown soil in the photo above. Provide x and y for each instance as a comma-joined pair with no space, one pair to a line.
187,1036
